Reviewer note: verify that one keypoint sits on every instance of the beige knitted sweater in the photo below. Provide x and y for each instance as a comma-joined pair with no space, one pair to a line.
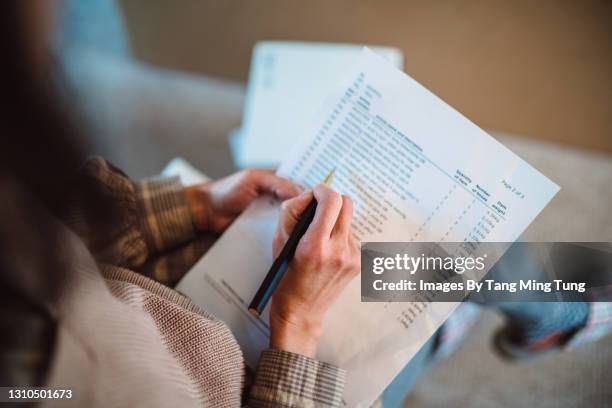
124,339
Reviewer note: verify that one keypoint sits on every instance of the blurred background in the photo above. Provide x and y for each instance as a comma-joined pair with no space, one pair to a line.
157,79
536,68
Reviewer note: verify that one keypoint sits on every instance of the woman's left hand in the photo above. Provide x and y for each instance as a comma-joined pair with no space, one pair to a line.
216,204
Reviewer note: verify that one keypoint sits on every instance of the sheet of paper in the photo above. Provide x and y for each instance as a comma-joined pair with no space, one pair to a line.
186,172
288,82
417,170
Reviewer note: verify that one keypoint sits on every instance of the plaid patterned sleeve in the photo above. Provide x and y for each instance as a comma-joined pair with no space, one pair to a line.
164,215
148,217
285,379
599,324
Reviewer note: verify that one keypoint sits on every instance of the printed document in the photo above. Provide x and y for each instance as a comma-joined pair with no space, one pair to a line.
417,171
288,82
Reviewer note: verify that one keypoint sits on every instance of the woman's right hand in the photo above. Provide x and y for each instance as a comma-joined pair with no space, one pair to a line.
326,260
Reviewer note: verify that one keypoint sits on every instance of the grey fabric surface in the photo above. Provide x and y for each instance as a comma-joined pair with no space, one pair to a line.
141,117
96,24
476,377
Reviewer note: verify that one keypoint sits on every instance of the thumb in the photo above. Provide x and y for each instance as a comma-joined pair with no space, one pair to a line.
291,210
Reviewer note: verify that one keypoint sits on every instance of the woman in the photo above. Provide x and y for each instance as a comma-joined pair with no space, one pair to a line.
77,315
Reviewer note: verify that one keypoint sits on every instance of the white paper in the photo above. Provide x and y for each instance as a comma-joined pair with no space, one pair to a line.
288,82
185,171
417,170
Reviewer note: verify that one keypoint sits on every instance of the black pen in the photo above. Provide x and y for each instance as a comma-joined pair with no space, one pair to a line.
281,263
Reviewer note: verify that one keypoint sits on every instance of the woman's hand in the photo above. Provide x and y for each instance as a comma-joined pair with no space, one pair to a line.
326,260
214,205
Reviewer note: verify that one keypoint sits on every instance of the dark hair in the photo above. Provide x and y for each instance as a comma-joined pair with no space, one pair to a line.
37,136
40,155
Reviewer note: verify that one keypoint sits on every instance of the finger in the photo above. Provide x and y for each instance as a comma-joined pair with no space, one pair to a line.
292,209
342,230
268,182
329,204
299,188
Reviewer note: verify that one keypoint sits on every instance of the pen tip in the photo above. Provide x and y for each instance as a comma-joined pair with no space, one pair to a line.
330,177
